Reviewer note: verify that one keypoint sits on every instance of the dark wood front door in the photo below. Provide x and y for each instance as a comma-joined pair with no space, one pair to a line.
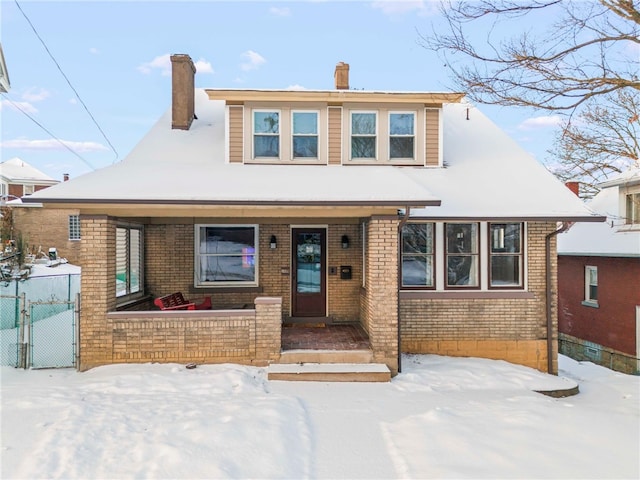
308,282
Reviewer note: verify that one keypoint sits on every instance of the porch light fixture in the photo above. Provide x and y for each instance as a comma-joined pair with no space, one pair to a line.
273,243
345,241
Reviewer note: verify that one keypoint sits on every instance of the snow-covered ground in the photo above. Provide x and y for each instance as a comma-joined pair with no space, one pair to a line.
442,417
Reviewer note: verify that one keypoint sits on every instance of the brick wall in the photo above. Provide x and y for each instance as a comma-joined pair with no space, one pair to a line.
511,329
380,296
46,228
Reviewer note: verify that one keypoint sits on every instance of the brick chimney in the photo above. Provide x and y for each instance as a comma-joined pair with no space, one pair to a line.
341,76
65,177
574,187
182,91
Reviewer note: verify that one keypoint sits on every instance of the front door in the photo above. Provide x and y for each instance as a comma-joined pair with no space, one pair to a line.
308,282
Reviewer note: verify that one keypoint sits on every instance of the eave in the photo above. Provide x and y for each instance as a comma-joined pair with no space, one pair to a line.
332,97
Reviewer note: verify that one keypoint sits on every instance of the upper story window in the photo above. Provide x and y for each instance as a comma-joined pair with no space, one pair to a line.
28,189
462,256
363,134
401,135
418,255
305,134
505,258
632,208
266,134
225,255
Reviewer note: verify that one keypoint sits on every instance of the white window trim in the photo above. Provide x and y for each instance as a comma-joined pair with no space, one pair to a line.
414,136
376,136
588,301
279,134
196,256
317,135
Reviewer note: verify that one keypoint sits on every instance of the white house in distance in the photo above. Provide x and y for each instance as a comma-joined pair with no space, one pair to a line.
409,216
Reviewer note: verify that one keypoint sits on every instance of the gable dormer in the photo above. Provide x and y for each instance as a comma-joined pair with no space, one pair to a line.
334,127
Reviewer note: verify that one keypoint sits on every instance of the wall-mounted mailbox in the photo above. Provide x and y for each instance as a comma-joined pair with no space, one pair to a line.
345,272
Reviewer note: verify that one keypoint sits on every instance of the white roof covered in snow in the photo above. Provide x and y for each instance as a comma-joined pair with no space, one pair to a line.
486,174
16,170
612,238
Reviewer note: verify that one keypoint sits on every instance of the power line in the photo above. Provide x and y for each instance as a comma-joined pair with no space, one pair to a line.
51,134
67,79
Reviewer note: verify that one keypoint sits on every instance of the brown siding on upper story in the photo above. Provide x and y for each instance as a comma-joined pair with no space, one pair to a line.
335,135
432,134
236,119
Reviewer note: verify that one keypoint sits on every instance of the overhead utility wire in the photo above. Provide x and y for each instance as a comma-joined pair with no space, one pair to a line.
45,129
67,79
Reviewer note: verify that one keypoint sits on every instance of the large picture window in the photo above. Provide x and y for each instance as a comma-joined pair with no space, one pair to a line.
305,134
226,255
401,135
266,134
505,246
129,258
418,255
462,257
363,135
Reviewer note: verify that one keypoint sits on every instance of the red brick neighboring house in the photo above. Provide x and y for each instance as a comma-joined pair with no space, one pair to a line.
409,213
599,280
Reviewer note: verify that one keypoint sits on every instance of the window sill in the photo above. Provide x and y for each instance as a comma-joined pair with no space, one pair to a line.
430,294
590,303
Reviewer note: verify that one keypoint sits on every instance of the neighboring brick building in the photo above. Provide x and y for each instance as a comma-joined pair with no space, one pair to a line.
39,228
409,213
599,280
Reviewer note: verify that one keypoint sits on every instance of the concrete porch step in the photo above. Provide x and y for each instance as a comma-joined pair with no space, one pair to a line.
326,356
329,372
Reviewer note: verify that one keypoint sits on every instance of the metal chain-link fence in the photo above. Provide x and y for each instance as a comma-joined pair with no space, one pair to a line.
38,318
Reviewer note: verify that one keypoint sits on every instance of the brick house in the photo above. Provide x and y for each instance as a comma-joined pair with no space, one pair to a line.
599,280
57,228
408,213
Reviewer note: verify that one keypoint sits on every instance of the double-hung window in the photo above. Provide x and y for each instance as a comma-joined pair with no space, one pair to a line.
266,134
590,286
129,261
401,135
305,134
505,255
418,255
363,135
226,255
462,257
632,211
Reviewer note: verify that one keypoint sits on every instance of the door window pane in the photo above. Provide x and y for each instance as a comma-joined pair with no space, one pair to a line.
309,263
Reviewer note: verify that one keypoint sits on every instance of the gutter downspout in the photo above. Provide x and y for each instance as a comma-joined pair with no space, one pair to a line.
547,244
403,220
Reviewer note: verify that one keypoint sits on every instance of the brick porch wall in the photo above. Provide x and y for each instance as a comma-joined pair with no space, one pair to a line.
379,300
511,329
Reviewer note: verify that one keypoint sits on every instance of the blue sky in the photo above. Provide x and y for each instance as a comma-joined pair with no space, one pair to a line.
115,56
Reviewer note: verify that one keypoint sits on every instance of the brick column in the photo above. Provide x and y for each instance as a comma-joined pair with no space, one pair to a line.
382,290
268,329
98,291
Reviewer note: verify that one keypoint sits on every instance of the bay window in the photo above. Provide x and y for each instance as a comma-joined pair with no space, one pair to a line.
226,255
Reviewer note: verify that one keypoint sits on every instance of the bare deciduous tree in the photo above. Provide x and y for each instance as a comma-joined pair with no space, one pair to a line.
589,49
600,141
